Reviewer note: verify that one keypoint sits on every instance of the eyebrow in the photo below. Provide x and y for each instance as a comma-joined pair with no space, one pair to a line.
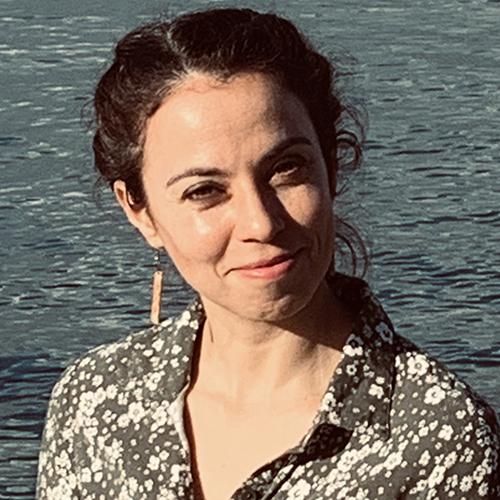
214,171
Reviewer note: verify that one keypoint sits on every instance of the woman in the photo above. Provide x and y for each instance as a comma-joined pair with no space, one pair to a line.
220,133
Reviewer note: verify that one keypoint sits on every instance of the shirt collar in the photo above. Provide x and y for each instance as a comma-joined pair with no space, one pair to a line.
175,344
360,390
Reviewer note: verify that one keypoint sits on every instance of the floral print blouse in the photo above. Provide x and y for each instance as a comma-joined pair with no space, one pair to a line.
393,423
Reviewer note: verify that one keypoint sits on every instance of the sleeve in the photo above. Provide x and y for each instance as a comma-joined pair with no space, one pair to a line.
57,477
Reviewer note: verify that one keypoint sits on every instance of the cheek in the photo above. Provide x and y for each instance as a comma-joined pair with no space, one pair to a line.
311,208
195,237
318,221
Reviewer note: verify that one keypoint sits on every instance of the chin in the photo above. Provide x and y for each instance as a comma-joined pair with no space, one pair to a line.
271,308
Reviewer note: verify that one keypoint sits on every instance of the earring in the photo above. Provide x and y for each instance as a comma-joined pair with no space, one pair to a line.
157,290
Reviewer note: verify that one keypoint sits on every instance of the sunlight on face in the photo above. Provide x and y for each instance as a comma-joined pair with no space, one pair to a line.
235,178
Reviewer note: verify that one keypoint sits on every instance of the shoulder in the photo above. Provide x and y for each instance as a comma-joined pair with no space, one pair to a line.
99,375
453,432
130,362
116,362
429,385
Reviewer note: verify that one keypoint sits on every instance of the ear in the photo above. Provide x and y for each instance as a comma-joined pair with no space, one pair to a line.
138,216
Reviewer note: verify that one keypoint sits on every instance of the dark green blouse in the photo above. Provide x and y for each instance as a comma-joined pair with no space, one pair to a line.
393,423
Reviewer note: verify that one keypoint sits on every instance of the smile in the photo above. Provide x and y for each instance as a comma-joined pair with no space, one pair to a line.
268,269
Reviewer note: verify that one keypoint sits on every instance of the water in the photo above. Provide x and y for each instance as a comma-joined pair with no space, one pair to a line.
427,198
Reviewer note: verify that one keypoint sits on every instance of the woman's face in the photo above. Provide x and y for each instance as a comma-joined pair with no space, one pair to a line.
238,194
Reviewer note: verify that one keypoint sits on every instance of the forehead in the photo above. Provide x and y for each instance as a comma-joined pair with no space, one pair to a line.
204,116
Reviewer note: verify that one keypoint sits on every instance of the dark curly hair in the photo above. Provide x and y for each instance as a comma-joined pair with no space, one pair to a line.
151,60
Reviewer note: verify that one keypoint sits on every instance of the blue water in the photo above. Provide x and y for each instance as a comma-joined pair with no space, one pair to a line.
427,199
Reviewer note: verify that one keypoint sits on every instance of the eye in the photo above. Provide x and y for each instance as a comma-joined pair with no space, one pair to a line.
286,167
290,170
203,192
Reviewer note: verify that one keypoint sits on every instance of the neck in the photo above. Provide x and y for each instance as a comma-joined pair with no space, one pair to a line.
248,361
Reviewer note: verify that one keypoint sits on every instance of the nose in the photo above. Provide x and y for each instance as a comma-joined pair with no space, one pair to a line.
259,216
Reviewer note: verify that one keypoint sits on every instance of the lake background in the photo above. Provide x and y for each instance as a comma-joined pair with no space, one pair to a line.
427,198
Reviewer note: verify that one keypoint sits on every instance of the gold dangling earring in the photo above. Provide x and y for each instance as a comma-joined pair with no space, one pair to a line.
157,290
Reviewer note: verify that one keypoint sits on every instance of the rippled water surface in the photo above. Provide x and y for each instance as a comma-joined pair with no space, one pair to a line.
427,198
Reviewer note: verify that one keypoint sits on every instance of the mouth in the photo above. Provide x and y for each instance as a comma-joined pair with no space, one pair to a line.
268,268
267,262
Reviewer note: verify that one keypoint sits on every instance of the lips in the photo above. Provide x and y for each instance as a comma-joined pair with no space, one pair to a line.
272,268
267,262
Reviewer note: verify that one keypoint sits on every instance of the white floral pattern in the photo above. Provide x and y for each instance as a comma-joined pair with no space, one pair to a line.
394,423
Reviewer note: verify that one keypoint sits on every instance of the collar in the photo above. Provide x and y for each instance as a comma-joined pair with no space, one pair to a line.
361,387
174,343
